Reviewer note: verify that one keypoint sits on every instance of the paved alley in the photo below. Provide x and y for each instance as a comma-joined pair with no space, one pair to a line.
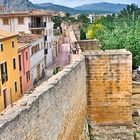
62,59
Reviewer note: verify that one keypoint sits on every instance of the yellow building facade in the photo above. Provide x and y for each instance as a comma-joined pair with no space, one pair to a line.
9,69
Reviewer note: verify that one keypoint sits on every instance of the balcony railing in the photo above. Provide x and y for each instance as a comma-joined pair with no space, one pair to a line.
37,25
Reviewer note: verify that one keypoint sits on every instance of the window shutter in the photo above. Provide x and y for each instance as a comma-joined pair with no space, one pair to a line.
6,71
2,79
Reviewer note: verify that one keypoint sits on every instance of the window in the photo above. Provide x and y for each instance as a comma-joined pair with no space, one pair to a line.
26,55
13,45
4,74
1,47
45,38
15,86
28,75
14,63
5,21
20,20
46,51
35,49
19,58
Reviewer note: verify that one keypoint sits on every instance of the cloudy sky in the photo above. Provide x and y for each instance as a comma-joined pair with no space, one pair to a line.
74,3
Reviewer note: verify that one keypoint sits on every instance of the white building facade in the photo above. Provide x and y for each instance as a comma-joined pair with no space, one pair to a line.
38,62
33,22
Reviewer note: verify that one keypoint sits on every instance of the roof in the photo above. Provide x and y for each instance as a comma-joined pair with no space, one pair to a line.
26,39
27,13
5,35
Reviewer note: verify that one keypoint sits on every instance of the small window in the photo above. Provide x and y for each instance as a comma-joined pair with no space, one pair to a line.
1,47
4,72
13,45
14,63
28,75
15,86
21,20
26,55
19,58
5,21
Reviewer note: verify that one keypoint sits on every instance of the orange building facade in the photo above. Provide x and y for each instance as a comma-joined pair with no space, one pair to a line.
9,69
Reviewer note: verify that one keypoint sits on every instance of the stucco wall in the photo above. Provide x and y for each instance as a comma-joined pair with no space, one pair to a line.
54,111
25,66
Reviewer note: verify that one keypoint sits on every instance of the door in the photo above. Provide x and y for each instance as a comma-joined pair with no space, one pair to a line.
21,88
5,98
38,71
38,22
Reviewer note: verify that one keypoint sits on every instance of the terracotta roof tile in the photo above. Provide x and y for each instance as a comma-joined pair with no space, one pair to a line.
26,39
28,13
5,34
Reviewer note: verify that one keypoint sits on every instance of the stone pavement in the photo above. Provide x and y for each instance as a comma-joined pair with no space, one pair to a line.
62,59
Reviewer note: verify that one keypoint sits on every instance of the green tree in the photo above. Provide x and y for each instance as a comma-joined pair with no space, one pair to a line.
92,32
83,19
57,21
67,15
119,31
82,35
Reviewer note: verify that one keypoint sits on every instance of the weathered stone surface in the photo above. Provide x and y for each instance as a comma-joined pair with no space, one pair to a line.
54,111
109,87
57,109
111,133
89,44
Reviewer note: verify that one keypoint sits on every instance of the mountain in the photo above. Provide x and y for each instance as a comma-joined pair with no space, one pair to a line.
97,8
103,6
55,7
17,5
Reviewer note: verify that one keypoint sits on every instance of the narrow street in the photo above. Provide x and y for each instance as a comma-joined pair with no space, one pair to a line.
62,59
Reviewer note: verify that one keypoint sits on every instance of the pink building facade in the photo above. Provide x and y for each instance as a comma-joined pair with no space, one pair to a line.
24,68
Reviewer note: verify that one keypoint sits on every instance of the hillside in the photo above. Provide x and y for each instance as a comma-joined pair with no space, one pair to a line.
55,7
17,5
98,8
103,6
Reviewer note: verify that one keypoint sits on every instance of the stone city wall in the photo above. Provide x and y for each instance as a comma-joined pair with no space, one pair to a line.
56,110
109,87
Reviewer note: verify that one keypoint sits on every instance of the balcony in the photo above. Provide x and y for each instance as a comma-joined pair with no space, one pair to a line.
40,25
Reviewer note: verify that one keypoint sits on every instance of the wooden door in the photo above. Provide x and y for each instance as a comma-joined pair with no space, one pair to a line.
38,71
5,98
21,88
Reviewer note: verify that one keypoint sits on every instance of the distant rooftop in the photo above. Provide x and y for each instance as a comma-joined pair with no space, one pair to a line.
25,39
5,35
27,13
